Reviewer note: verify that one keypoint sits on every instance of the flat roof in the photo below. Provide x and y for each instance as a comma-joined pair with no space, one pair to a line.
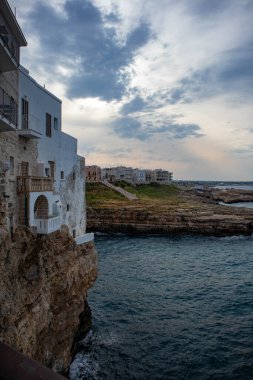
25,72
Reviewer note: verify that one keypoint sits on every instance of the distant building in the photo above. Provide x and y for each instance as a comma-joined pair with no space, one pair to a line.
137,176
162,176
93,173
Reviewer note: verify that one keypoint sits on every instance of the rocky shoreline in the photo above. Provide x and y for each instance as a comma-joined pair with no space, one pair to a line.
228,195
193,213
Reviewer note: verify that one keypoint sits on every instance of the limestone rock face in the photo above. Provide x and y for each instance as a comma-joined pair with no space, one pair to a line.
229,195
43,287
153,217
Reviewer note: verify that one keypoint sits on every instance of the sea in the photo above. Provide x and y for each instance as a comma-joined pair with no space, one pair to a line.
170,307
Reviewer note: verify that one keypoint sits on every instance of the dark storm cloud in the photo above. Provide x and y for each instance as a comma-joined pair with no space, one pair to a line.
137,104
237,66
83,35
128,127
180,131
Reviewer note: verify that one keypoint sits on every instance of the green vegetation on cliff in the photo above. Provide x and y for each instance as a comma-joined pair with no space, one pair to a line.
98,193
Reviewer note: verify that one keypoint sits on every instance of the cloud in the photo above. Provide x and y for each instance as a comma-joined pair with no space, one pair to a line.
149,74
231,75
208,8
137,104
244,152
180,131
129,127
82,39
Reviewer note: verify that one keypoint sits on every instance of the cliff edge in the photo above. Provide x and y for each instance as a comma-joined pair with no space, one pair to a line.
164,209
43,294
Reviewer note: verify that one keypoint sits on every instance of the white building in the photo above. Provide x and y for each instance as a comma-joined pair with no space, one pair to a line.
53,190
139,176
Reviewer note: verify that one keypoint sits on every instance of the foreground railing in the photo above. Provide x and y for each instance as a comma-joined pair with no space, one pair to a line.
14,365
30,121
8,108
46,226
34,184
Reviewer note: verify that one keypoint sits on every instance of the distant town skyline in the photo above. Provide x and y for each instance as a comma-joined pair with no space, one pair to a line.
149,83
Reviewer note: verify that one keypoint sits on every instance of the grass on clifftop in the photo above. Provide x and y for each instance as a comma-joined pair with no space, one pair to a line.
97,193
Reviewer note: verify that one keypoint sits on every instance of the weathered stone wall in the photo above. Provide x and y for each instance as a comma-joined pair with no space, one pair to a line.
21,149
43,286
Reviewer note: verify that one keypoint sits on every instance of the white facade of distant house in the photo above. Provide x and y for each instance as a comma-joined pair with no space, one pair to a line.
137,176
124,173
162,176
57,161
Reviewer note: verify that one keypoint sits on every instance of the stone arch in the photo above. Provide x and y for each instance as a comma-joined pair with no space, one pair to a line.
41,208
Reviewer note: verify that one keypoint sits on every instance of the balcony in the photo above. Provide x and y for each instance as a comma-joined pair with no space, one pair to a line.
30,126
34,184
8,112
9,50
47,225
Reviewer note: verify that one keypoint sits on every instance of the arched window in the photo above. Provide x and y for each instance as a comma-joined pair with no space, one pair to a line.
41,208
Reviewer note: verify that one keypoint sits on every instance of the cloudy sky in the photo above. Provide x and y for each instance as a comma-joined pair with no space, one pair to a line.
149,83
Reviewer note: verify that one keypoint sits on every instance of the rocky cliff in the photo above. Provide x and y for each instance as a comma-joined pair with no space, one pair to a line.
228,195
43,294
190,215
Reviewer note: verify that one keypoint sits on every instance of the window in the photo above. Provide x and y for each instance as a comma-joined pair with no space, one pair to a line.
74,234
67,207
55,123
11,165
48,125
52,168
25,111
62,174
74,176
47,172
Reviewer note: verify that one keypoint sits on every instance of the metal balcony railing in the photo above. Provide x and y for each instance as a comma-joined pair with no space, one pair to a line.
8,107
9,43
30,122
34,184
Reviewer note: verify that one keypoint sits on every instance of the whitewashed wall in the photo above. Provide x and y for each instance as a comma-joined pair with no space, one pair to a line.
60,148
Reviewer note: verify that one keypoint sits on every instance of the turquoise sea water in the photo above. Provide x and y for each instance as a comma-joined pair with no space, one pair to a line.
170,308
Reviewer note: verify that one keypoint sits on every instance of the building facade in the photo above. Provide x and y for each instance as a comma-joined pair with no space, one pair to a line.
137,176
12,149
42,176
93,173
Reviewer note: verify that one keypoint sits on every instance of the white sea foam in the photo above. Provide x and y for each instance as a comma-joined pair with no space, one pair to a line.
83,366
237,237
